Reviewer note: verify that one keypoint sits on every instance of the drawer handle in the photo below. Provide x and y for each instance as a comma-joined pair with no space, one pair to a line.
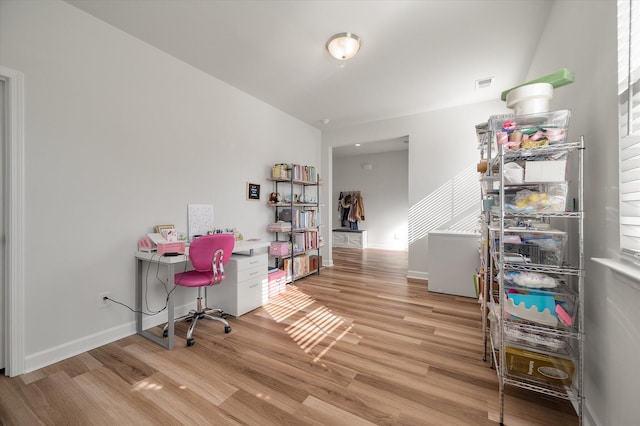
255,285
254,273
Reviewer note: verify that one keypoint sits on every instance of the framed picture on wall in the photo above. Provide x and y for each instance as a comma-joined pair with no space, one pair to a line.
253,191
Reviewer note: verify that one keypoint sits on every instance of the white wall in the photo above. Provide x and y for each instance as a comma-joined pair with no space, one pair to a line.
121,137
384,189
585,42
442,144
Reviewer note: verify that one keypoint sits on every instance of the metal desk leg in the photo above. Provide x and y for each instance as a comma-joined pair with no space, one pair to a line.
162,342
170,314
138,305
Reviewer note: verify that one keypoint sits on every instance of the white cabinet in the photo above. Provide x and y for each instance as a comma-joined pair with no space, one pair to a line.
350,239
453,259
245,285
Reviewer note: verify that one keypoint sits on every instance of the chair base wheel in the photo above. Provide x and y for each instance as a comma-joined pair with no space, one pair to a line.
227,329
165,333
191,342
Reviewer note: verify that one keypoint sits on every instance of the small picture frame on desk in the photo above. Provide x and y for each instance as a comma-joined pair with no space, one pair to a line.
164,229
253,191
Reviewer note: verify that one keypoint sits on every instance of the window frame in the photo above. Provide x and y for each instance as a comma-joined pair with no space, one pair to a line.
628,29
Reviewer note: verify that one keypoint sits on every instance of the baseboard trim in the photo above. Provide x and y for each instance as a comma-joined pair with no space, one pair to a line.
385,247
418,275
588,418
59,353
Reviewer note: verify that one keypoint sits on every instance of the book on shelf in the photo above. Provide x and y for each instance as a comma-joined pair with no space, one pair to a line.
303,173
311,240
300,264
299,243
304,218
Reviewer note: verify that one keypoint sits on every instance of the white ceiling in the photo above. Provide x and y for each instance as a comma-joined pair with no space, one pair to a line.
416,56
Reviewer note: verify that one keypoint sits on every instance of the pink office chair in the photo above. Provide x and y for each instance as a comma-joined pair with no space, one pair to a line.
208,255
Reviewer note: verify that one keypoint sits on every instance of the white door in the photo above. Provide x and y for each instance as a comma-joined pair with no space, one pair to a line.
3,321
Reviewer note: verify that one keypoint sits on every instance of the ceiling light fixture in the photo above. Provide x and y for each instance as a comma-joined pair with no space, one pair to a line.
343,46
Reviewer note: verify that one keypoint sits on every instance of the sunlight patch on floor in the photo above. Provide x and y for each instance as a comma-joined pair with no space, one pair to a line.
317,326
144,385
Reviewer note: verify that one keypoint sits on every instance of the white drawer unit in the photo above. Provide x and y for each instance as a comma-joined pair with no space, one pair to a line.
243,288
350,239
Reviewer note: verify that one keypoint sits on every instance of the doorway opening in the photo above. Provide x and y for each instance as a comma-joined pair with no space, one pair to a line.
379,172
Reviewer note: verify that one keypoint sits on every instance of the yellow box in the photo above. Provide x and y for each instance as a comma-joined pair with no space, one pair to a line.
552,369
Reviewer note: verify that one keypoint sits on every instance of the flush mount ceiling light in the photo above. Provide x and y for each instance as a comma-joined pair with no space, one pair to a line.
343,46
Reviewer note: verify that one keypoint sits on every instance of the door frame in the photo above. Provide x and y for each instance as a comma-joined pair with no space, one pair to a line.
14,279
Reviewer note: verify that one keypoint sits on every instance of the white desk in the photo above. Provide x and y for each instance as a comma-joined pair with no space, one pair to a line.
240,247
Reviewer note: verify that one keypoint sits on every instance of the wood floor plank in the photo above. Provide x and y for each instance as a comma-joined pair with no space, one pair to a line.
68,404
121,363
188,373
186,404
15,405
415,409
252,409
333,415
123,404
359,344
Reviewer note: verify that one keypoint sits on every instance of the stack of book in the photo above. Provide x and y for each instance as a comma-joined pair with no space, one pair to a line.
279,226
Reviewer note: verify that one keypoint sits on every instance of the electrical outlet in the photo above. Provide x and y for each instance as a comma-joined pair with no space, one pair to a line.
102,302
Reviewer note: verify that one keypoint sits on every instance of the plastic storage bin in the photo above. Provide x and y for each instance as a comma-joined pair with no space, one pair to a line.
551,197
539,366
277,283
537,248
279,248
531,130
554,309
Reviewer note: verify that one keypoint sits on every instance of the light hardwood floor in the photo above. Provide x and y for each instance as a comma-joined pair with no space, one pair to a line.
356,345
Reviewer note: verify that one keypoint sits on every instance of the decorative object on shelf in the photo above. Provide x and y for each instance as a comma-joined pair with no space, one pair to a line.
253,191
280,171
275,198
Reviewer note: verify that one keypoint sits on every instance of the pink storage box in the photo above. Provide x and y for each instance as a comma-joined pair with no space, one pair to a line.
279,248
277,283
171,247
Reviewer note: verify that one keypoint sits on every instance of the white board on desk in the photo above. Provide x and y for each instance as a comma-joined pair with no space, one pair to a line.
200,219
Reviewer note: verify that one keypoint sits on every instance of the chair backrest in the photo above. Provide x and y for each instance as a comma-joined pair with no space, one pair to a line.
202,251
